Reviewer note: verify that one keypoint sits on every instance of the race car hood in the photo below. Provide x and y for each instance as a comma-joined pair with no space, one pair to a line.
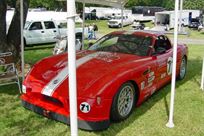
50,76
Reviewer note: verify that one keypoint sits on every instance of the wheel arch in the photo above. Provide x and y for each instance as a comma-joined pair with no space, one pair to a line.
137,92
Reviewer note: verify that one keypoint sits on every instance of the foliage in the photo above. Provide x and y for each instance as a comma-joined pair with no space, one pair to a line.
168,4
49,4
195,4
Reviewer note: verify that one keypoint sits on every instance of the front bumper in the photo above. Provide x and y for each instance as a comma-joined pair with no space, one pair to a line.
83,124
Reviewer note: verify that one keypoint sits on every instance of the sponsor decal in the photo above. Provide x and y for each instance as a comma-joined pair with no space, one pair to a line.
108,57
163,75
85,107
153,90
169,65
151,77
142,85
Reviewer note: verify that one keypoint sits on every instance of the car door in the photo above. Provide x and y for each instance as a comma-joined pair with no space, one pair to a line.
51,31
164,59
148,83
35,34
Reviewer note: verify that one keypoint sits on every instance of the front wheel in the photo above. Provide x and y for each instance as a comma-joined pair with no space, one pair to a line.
182,71
123,102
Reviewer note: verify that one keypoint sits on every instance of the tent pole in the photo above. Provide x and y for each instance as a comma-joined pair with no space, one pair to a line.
83,24
122,8
202,78
71,13
180,15
170,123
22,41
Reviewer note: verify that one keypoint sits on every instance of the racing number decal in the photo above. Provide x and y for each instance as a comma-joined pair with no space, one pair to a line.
85,107
169,65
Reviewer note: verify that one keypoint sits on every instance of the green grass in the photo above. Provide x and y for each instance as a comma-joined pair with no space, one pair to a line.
147,120
35,53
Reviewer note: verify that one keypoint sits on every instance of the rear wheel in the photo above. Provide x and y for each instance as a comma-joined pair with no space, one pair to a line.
123,102
182,71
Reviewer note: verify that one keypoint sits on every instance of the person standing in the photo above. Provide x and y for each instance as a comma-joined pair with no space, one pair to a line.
90,32
95,29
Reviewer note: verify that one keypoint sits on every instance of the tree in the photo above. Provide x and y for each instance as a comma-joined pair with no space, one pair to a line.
11,41
49,4
3,37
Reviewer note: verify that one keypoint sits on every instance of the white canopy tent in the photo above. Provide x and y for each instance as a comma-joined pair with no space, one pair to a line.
111,3
72,56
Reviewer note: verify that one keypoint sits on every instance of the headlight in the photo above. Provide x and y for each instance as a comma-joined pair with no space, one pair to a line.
24,89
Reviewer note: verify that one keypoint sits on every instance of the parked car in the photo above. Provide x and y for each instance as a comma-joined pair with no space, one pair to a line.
41,32
201,28
138,26
195,23
117,73
116,21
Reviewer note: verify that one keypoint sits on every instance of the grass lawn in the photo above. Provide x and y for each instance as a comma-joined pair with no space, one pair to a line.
147,120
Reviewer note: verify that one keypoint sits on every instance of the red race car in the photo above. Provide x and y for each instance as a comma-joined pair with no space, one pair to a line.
114,75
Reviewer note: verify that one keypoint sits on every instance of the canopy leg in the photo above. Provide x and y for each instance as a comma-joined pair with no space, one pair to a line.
170,123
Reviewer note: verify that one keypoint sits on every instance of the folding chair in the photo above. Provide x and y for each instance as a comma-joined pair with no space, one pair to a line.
8,71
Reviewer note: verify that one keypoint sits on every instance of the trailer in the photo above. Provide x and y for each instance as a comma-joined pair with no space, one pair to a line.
105,12
166,19
145,13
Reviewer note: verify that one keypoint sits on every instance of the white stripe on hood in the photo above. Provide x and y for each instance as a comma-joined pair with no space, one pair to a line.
50,88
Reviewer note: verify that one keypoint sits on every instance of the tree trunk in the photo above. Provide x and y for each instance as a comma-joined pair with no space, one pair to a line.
14,32
3,39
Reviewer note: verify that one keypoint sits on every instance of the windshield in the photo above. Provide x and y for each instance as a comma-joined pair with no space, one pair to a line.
128,44
26,24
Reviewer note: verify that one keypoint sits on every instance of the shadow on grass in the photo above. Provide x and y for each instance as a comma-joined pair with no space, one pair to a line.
11,89
39,47
193,69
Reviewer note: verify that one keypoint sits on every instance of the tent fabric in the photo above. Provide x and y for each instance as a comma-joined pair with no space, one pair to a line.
111,3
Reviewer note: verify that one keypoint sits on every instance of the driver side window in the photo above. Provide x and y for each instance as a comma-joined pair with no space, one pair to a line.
36,26
162,44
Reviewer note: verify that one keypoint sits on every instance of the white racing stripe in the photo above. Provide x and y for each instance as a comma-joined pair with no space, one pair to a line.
50,88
